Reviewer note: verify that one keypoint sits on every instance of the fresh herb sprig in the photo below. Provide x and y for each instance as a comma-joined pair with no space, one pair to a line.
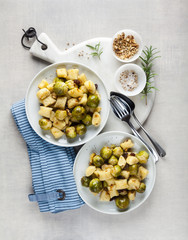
149,54
97,50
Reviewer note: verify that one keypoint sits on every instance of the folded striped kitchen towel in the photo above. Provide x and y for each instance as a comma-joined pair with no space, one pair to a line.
52,168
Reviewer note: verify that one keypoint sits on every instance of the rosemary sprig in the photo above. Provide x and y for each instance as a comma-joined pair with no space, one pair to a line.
97,51
149,54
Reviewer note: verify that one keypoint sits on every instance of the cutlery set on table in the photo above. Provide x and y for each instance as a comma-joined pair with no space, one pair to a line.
68,104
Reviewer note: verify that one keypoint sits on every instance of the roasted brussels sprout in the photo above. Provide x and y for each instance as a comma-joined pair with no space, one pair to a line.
133,169
117,151
60,88
79,112
116,171
122,202
142,188
61,114
81,129
45,124
98,161
85,181
56,79
70,132
95,185
87,120
113,160
142,156
93,101
106,153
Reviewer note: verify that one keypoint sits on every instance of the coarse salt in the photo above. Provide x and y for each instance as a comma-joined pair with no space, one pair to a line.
128,80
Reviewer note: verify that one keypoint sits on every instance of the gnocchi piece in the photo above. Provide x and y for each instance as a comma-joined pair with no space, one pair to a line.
105,196
98,169
132,195
83,89
90,170
133,183
45,111
43,84
48,101
67,96
127,144
106,166
96,119
91,157
121,162
61,102
104,175
83,100
67,120
90,86
82,78
112,191
59,124
132,160
110,181
50,87
121,184
61,72
142,173
43,93
52,115
72,74
125,174
56,132
75,92
73,102
54,95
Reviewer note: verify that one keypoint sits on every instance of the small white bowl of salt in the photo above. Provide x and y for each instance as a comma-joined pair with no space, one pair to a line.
130,79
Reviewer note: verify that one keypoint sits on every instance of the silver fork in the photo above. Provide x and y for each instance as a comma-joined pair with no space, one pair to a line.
129,108
121,113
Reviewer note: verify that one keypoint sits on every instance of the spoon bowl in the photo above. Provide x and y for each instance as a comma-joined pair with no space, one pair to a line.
130,106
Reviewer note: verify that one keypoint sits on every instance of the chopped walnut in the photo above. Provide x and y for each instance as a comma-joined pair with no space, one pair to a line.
125,47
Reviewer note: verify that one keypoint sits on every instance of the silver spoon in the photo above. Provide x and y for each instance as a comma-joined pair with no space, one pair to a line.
120,112
130,106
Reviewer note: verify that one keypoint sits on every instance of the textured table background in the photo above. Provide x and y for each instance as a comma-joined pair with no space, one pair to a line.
162,24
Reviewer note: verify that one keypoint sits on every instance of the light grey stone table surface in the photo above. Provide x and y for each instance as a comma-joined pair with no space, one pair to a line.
163,24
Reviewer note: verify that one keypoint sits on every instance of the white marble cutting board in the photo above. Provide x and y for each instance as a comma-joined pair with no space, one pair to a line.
106,68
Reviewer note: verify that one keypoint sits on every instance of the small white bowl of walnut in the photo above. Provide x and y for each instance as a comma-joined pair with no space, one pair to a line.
127,45
130,79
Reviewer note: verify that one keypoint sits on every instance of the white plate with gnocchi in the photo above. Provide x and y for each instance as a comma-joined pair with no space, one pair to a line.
67,104
114,173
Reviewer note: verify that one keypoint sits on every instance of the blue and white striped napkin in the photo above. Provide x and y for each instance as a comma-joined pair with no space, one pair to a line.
52,166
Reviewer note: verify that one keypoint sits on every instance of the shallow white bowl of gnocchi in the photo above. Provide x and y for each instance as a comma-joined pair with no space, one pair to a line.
67,104
103,200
